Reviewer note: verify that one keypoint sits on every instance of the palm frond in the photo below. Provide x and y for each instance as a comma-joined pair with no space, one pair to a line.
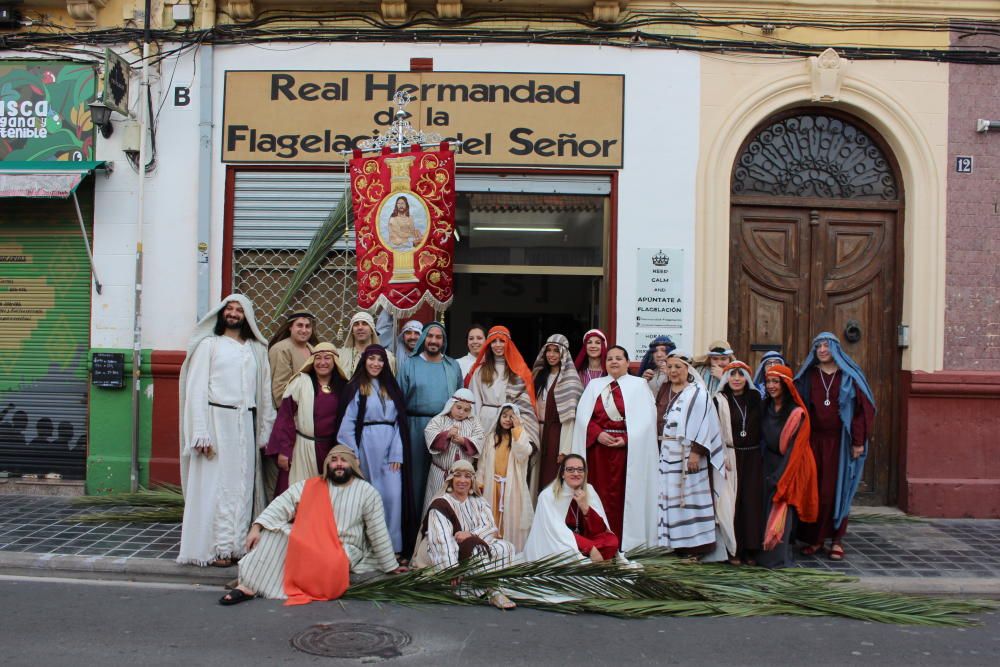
332,229
667,586
164,503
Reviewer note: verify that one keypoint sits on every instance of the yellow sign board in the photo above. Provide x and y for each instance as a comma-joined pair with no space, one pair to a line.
540,120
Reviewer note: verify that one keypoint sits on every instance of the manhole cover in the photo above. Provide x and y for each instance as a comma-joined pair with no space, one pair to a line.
351,640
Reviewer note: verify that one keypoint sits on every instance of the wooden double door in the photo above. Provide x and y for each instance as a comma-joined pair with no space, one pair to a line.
815,265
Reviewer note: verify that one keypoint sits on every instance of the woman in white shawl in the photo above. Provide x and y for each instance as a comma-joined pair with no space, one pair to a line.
570,519
453,435
690,447
615,432
503,475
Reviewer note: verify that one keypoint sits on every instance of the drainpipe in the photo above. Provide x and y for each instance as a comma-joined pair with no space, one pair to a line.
144,121
206,71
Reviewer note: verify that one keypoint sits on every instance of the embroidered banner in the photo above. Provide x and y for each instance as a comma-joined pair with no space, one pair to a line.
404,219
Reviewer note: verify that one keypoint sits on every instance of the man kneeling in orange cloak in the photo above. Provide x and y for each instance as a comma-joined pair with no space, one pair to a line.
309,540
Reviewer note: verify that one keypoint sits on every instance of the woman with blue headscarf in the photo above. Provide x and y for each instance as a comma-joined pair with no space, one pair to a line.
842,413
771,358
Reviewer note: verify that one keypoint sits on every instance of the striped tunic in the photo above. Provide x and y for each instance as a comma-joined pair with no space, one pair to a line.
686,507
474,516
357,508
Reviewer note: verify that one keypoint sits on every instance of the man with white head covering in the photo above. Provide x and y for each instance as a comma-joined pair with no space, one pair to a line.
427,380
226,414
301,551
406,341
360,334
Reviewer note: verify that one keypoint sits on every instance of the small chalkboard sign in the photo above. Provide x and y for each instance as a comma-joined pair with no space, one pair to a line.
108,370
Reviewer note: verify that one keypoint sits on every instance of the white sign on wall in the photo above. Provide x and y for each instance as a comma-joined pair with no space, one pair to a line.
659,292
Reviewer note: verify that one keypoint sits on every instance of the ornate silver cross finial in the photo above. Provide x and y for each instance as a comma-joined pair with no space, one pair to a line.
401,133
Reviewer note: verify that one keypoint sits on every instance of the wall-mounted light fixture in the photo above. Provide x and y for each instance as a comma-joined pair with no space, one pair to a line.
100,114
983,125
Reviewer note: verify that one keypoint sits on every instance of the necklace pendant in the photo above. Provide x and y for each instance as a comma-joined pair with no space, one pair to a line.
827,402
743,434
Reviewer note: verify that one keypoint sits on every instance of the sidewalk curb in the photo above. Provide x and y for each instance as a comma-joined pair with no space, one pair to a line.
971,587
104,567
167,571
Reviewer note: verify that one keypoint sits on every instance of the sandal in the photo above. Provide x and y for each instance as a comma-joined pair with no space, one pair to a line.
836,552
501,601
811,549
223,562
235,596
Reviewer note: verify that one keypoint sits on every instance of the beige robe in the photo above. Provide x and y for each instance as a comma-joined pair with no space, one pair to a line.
516,508
286,359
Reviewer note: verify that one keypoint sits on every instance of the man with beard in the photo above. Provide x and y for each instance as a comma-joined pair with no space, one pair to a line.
226,418
427,379
304,545
360,334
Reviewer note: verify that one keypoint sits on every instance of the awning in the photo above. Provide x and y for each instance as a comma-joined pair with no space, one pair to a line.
55,179
52,180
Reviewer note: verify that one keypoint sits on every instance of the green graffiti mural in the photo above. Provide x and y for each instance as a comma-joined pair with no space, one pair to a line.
43,110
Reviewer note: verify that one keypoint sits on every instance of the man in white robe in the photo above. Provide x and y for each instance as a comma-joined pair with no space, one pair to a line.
226,418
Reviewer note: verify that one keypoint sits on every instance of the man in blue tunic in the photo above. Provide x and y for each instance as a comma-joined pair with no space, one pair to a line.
427,380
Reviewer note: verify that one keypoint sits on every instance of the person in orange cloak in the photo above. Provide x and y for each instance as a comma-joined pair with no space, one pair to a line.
789,467
304,546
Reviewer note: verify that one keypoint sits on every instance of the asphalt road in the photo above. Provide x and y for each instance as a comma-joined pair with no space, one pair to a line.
66,622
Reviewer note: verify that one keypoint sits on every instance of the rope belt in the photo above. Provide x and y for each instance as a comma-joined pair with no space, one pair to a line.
503,490
661,438
230,407
615,430
386,423
747,449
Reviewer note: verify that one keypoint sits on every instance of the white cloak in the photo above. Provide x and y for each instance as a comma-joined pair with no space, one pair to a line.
549,533
642,467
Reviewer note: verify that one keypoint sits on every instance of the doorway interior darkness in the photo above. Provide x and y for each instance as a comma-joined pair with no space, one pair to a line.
815,245
532,262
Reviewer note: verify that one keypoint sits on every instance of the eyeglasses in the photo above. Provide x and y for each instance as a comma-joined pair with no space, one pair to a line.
574,469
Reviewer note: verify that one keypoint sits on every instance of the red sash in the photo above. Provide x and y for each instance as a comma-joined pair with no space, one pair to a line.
316,566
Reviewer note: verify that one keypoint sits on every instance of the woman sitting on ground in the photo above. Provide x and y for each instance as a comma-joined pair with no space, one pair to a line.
570,519
459,525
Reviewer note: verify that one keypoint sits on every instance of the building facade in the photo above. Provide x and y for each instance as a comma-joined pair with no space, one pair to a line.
759,174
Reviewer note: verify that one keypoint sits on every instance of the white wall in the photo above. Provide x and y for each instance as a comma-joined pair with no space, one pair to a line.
170,223
655,195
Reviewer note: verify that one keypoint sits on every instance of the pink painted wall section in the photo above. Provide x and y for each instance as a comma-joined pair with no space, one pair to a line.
972,326
950,459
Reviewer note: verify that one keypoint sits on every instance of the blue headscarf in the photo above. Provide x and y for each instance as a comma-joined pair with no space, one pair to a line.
647,359
853,380
758,377
423,336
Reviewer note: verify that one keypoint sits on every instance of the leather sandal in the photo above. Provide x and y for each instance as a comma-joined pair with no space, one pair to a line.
836,552
811,549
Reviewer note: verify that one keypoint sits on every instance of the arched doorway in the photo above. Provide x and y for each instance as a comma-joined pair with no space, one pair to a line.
816,220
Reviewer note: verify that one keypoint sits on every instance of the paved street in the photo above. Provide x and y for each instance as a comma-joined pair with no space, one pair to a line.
53,623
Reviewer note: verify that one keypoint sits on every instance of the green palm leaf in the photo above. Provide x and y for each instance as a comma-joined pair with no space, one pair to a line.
667,586
332,230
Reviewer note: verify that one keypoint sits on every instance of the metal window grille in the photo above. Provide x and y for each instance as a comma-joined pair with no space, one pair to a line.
275,215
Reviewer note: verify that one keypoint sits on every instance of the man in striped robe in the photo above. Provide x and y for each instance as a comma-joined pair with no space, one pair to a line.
359,523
